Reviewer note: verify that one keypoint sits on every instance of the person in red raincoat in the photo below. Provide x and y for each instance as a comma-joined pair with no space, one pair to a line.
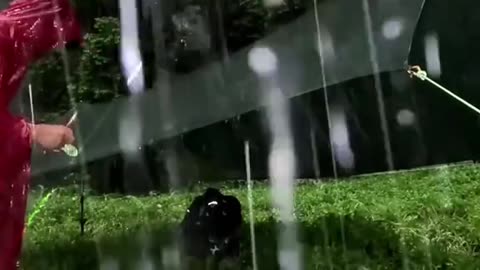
29,29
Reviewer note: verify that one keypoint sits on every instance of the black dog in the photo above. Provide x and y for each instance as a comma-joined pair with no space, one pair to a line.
211,227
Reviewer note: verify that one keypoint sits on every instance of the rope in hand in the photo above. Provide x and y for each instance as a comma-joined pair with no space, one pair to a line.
416,71
69,149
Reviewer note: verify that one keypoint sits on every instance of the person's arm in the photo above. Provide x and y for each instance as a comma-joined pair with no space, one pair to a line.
30,29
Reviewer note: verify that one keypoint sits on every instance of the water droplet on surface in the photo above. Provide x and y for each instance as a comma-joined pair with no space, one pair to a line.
262,60
130,132
341,141
405,117
432,55
109,264
273,3
393,28
325,44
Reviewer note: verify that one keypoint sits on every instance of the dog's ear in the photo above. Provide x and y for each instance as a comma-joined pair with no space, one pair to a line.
212,192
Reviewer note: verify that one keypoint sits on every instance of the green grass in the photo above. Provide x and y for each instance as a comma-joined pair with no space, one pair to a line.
415,220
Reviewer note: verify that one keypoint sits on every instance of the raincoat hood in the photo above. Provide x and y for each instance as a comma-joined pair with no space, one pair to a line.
41,25
29,29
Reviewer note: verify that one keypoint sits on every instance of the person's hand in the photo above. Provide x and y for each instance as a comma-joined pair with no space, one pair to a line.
52,137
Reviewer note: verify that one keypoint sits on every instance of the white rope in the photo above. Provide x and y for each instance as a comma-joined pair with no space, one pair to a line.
73,118
32,112
422,75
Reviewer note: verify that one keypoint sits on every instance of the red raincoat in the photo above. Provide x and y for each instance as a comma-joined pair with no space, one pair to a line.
29,29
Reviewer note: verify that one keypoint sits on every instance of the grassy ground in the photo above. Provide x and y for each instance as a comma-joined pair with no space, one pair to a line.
417,220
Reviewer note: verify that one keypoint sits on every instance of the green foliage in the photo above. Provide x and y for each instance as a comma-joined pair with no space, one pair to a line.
246,22
50,95
94,71
249,21
99,77
416,220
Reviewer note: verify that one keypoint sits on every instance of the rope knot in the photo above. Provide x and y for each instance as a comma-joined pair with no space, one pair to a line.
417,72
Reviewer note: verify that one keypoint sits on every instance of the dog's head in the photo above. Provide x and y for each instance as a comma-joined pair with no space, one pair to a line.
214,217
